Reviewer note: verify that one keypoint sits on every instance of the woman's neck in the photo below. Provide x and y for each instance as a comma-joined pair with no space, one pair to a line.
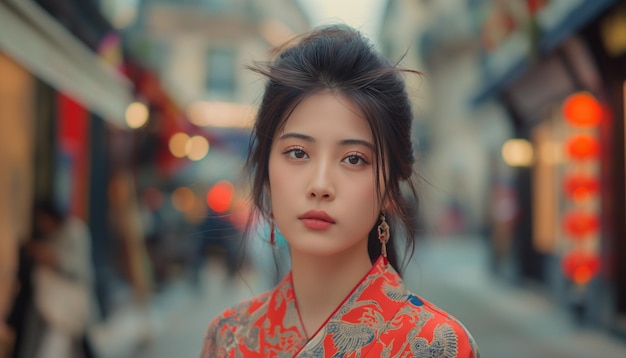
322,283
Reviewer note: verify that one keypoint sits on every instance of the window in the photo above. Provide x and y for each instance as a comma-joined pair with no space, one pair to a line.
220,75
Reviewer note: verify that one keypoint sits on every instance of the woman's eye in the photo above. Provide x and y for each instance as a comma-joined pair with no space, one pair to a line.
297,154
355,160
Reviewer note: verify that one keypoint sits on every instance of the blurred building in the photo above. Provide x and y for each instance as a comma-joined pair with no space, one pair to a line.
54,65
526,117
58,93
534,92
199,50
557,68
202,46
456,143
92,94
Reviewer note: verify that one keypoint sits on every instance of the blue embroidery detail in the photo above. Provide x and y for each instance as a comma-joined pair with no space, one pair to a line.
415,300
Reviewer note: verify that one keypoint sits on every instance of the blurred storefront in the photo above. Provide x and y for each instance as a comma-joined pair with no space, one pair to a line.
89,122
16,176
64,97
453,142
197,51
558,68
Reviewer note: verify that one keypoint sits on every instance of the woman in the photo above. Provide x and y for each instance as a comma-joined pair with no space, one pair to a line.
330,149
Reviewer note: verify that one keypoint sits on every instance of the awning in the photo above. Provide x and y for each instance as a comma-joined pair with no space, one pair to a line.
47,49
559,20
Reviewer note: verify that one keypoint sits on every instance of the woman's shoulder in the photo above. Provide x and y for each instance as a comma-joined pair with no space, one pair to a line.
428,328
421,304
233,322
242,309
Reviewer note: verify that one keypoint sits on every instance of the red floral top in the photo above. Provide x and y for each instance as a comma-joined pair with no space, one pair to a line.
379,318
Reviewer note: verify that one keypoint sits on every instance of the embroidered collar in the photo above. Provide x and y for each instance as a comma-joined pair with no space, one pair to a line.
366,310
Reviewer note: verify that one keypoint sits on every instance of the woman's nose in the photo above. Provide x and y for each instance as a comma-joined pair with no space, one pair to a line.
322,185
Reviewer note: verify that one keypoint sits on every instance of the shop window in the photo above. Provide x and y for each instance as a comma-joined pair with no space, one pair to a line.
221,69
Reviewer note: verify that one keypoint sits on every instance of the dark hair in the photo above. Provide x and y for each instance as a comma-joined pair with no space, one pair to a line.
339,59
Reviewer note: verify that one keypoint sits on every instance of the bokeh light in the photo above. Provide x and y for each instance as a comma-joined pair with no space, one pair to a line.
197,147
220,196
580,266
136,115
582,110
183,199
178,144
579,224
518,153
580,187
582,146
221,114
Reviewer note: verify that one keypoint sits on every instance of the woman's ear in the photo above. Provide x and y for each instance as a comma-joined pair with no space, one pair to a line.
388,206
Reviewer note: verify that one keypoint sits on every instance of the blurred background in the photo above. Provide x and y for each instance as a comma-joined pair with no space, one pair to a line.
124,125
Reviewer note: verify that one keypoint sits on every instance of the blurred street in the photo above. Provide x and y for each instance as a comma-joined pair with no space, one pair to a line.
125,125
506,321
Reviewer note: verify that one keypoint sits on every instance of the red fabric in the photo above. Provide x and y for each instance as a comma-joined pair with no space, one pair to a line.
379,318
73,133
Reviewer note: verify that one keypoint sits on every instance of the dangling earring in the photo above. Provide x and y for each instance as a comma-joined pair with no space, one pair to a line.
272,240
383,235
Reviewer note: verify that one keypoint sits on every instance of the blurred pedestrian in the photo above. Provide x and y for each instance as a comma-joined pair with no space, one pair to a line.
62,275
331,148
215,232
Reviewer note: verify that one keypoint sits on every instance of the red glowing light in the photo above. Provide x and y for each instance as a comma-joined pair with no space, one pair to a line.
582,110
220,196
582,146
580,187
578,224
580,266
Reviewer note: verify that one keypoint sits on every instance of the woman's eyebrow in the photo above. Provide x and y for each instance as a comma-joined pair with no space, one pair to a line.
349,141
297,136
357,142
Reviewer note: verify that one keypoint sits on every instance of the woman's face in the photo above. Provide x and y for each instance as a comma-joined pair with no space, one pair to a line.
322,177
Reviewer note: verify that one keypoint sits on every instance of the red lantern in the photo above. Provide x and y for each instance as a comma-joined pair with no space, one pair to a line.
580,187
220,196
580,266
582,110
582,146
578,224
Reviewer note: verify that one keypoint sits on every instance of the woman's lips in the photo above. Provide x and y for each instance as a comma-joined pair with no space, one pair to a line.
317,220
